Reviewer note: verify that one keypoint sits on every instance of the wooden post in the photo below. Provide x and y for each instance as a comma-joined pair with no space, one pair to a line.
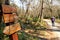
13,36
9,19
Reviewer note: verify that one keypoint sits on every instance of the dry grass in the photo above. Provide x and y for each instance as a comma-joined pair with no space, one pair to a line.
58,20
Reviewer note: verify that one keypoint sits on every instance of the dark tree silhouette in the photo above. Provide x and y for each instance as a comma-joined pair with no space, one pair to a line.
7,2
41,12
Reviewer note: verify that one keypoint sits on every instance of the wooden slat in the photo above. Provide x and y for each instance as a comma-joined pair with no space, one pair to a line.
8,9
8,18
12,29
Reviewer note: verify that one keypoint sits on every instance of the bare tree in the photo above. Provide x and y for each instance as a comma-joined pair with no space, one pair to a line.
51,7
41,12
49,3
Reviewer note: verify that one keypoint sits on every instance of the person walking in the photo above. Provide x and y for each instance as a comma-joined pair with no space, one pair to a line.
53,21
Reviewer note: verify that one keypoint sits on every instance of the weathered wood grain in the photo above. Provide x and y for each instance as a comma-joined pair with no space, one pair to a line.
12,29
8,18
8,9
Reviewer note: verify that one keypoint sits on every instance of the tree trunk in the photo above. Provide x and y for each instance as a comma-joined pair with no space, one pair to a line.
27,9
1,27
51,7
41,12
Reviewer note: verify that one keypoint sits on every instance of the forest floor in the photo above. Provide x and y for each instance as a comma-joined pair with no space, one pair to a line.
51,33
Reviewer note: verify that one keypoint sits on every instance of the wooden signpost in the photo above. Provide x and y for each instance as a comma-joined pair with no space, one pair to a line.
9,19
13,36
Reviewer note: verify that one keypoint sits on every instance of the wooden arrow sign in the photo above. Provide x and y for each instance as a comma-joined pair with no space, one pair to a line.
8,30
8,9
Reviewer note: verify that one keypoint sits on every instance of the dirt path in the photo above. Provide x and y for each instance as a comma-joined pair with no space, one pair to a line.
56,28
53,33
